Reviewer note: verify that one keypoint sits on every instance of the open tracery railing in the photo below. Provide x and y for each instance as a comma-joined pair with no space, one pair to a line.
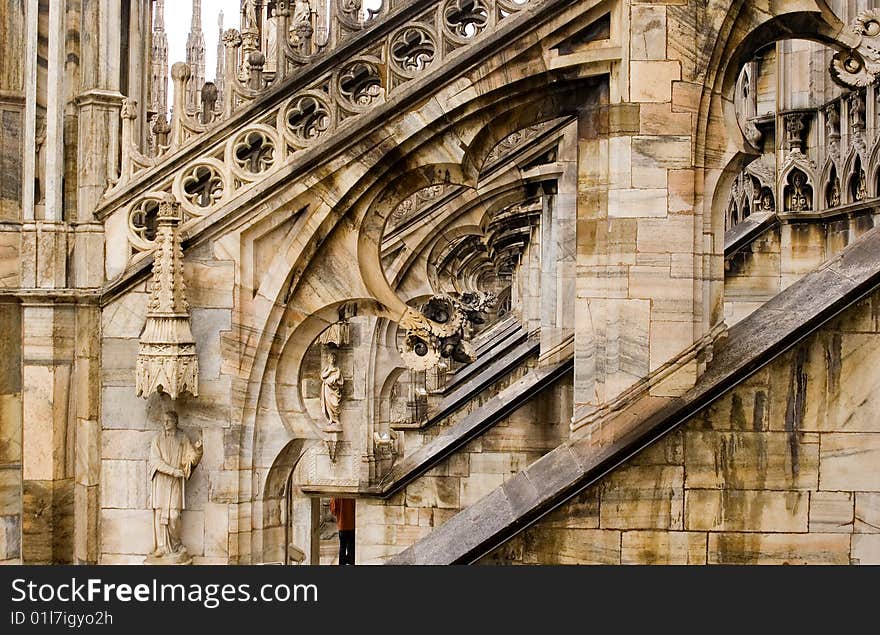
362,78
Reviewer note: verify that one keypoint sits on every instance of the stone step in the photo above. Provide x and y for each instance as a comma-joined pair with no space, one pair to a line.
472,426
578,463
486,353
470,388
747,231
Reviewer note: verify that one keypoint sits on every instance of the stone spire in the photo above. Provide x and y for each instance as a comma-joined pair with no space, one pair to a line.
195,58
221,59
167,361
159,62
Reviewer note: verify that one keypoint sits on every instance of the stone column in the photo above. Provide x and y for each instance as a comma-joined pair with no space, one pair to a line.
47,465
138,63
29,164
87,433
558,275
532,282
10,433
12,108
54,147
98,103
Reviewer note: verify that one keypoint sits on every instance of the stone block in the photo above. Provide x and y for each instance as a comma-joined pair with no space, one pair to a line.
867,513
672,152
10,491
852,395
831,512
755,548
648,25
125,316
659,119
209,284
672,235
411,516
86,514
126,531
848,461
751,460
408,534
118,360
207,325
10,264
10,537
88,455
653,81
223,486
10,428
127,445
476,486
580,512
866,549
373,513
124,484
737,510
490,463
663,547
667,451
436,491
571,546
637,203
38,442
619,162
192,531
642,497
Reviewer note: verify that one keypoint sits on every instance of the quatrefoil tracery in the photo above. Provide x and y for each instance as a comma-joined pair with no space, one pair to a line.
412,50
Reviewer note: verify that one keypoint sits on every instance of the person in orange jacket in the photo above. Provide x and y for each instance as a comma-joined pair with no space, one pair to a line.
343,510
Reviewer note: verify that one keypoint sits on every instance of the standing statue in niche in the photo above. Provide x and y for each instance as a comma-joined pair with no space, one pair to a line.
331,392
250,15
172,459
302,12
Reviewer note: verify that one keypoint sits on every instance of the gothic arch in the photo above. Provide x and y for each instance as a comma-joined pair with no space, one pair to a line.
833,195
796,186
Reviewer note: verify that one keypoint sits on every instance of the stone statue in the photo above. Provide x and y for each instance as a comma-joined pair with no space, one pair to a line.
172,459
250,14
302,12
331,391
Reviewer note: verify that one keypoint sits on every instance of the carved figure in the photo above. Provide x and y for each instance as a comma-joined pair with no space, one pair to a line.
250,14
172,459
302,12
331,391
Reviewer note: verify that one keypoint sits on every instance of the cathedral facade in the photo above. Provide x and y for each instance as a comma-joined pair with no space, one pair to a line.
532,281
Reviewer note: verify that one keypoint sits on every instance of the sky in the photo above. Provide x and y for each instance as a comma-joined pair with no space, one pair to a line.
178,16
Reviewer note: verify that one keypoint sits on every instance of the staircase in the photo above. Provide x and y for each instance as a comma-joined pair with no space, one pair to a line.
576,464
471,426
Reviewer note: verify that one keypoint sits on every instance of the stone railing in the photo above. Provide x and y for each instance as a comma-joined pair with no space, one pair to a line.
243,154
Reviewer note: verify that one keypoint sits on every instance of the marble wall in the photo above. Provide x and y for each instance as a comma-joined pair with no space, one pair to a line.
781,469
387,526
128,423
10,433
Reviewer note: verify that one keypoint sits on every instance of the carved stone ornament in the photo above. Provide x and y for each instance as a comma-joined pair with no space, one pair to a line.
859,66
167,359
173,457
438,329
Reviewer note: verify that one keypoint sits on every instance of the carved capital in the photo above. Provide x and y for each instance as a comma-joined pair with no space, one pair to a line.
231,38
129,108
